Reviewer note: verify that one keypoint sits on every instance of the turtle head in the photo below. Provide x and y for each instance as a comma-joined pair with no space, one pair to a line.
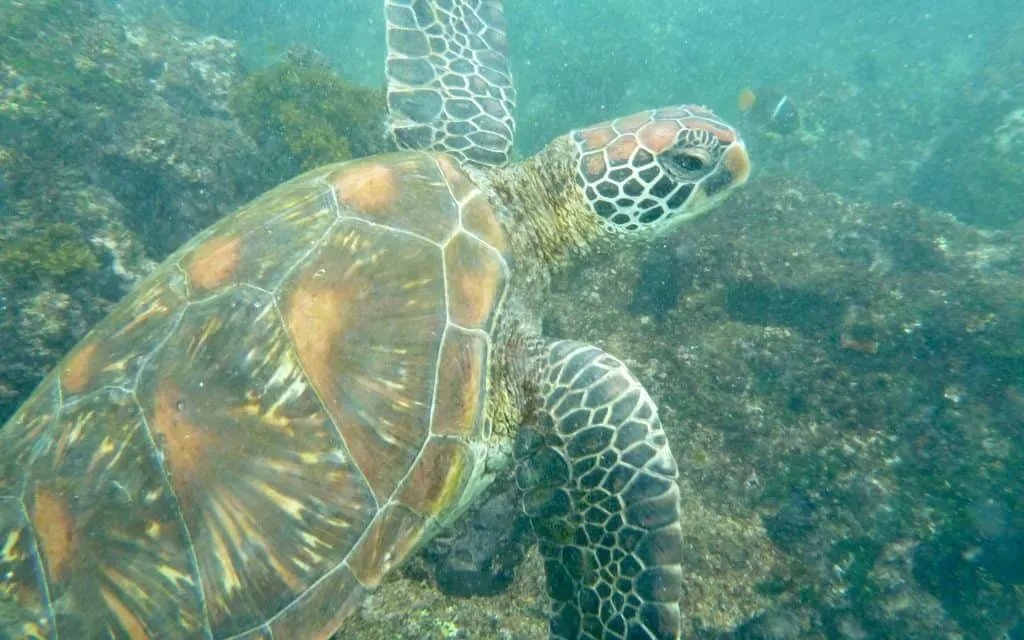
657,167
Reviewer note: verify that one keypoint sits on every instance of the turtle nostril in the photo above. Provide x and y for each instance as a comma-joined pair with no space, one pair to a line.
721,180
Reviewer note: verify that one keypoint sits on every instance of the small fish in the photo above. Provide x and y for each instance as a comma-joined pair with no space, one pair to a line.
770,108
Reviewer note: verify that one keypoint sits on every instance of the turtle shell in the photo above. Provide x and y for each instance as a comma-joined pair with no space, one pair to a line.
269,423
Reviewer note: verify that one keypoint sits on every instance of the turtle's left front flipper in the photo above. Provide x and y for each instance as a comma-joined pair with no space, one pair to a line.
599,484
449,87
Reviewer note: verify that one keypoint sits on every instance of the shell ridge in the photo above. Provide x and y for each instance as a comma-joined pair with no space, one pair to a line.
190,551
186,280
283,322
103,390
19,499
476,332
37,450
459,205
40,572
389,228
262,628
437,362
448,188
336,209
483,241
342,564
337,431
160,459
258,289
433,404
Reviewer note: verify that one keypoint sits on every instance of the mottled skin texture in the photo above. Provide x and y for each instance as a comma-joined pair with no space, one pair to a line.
599,485
304,394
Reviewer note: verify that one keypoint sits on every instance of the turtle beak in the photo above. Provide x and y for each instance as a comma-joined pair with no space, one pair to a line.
737,163
731,173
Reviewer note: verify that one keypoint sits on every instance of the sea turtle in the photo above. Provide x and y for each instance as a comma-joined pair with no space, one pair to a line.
305,393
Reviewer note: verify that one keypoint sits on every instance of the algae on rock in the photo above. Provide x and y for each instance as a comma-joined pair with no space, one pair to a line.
54,250
304,112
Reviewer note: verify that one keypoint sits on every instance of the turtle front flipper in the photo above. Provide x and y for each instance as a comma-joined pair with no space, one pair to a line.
449,87
599,484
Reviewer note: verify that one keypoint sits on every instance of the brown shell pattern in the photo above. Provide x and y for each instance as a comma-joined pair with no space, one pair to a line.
269,424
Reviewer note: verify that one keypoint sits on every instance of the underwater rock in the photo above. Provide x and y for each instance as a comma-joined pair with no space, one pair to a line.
776,624
977,168
479,555
302,114
850,372
176,173
790,525
57,279
840,380
115,145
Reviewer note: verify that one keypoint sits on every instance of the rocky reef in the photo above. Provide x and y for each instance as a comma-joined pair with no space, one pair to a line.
122,134
115,145
842,380
843,385
977,167
302,114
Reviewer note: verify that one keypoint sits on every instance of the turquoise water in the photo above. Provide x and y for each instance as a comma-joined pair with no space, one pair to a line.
837,351
877,84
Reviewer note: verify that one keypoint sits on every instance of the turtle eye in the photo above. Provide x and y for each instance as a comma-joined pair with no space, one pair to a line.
688,162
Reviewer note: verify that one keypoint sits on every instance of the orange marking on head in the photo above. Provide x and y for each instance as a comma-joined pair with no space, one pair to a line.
633,122
214,261
55,529
725,136
738,163
369,187
746,99
595,166
183,443
77,372
659,135
316,315
130,622
597,137
622,149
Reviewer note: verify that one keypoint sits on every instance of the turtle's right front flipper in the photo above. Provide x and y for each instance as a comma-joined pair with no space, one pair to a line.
599,485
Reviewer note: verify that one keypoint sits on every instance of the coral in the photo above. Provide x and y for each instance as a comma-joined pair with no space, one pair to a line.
977,171
1007,133
831,365
20,22
302,107
46,72
116,146
55,250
